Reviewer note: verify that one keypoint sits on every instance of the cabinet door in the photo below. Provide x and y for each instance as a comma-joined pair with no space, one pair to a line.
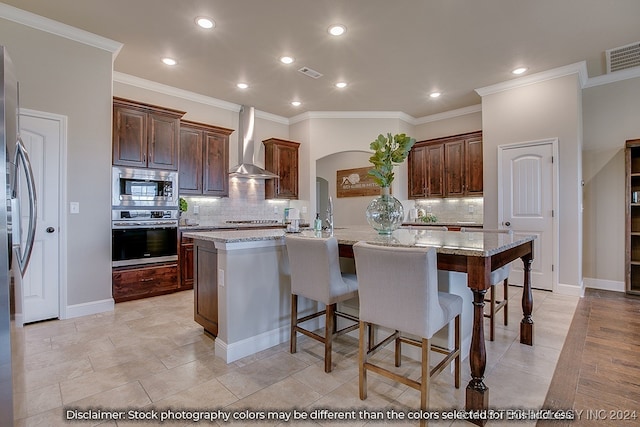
129,137
186,265
205,285
454,168
190,170
287,166
473,167
417,172
163,142
216,164
435,170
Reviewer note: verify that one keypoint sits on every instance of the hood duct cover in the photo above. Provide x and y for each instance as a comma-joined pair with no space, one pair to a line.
246,148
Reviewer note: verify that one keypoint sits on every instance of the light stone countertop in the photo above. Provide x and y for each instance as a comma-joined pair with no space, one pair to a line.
448,242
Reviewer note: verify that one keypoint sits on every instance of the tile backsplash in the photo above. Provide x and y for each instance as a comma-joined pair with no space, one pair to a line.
245,202
452,210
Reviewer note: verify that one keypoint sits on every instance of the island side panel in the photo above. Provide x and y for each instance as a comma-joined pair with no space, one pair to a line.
205,287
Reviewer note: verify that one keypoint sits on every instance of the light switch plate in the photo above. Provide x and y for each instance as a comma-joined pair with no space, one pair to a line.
220,277
74,207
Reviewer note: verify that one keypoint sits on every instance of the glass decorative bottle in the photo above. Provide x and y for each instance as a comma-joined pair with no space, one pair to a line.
385,213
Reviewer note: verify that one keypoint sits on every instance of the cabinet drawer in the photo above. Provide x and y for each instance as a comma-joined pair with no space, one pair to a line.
142,282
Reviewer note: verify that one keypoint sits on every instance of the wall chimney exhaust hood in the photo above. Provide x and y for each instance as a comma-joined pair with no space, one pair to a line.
246,149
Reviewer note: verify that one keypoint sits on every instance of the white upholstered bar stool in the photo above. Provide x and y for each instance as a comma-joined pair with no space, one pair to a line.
315,274
398,290
497,276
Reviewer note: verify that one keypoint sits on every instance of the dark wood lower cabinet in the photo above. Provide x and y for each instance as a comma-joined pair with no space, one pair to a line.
185,257
137,282
205,285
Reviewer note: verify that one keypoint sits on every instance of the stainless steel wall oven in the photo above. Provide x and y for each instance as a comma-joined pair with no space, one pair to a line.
144,236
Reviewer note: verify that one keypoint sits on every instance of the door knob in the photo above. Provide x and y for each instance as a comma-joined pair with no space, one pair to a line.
50,230
508,224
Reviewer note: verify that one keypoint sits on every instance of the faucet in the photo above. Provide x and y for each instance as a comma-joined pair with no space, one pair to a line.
329,219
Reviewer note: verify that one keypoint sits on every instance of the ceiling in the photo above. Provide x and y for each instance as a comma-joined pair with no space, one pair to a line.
393,54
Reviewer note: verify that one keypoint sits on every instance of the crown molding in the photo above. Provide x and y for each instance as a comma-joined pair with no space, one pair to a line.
397,115
449,114
579,68
139,82
41,23
616,76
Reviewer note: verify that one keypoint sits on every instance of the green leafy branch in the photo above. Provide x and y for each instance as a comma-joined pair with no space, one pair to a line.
388,152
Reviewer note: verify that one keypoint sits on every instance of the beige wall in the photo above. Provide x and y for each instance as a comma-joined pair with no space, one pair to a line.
610,118
451,126
64,77
549,109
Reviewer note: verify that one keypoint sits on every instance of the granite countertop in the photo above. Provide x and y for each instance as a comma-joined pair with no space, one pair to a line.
449,242
232,226
442,223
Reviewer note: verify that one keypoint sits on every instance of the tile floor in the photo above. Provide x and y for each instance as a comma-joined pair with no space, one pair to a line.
150,354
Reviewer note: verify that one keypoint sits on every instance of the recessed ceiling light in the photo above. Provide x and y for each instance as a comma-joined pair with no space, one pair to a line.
296,103
287,60
169,61
337,29
519,71
435,94
205,22
242,85
341,85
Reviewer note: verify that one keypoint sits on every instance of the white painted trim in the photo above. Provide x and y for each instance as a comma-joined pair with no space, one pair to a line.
252,345
606,285
62,213
449,114
579,68
616,76
59,29
572,290
555,274
89,308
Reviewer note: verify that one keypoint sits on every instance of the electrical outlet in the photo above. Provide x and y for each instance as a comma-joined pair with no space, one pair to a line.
196,209
275,209
304,209
471,208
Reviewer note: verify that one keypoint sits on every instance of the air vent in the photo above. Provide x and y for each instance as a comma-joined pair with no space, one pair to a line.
623,57
309,72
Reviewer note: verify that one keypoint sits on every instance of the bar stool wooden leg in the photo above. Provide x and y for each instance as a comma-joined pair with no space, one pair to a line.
426,378
362,358
458,372
328,335
294,322
506,301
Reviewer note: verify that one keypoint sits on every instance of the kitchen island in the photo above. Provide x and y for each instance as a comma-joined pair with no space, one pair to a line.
247,274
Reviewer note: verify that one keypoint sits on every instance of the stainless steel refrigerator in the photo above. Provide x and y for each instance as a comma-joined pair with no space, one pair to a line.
13,160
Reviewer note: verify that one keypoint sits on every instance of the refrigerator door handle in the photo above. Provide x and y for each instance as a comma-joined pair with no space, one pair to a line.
22,156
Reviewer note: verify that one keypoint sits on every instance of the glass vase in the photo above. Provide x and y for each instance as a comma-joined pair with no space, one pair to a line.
385,213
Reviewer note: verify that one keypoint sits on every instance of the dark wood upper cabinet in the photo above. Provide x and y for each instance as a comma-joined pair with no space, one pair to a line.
204,159
473,167
281,158
145,136
446,167
454,168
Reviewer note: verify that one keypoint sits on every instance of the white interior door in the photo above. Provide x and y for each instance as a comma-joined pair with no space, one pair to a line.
40,287
527,178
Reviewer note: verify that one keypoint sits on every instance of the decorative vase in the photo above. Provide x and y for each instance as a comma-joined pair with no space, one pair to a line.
385,213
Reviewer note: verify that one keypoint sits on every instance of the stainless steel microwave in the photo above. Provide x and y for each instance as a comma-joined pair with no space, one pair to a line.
144,188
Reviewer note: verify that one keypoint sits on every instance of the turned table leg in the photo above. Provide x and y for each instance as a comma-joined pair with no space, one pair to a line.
526,325
477,395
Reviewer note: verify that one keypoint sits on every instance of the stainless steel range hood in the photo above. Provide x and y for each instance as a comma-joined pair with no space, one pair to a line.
246,148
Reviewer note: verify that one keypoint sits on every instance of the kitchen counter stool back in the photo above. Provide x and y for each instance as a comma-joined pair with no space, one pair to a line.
398,290
315,274
497,276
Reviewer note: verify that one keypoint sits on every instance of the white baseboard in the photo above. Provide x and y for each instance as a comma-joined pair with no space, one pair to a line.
564,289
603,284
248,346
89,308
